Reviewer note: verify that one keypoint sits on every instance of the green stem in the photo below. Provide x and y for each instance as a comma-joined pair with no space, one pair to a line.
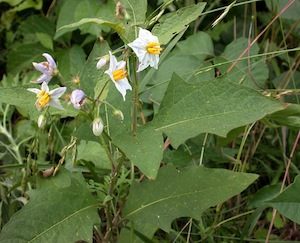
232,218
247,131
135,97
202,149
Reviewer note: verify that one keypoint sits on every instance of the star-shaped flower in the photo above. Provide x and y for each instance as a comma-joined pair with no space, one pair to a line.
48,69
45,97
118,74
147,49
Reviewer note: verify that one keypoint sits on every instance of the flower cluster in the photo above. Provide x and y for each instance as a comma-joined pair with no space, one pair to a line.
147,49
44,96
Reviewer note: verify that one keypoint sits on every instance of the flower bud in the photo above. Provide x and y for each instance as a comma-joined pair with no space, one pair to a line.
77,98
102,62
119,114
41,121
97,126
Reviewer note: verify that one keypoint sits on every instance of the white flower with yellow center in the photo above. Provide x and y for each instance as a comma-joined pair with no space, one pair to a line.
118,74
147,49
46,97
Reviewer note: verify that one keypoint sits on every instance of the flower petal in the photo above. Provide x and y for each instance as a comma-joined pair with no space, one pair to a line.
144,63
121,65
121,89
109,73
50,60
58,92
138,44
101,63
55,103
43,78
33,90
147,35
113,62
45,87
154,59
139,48
125,84
40,67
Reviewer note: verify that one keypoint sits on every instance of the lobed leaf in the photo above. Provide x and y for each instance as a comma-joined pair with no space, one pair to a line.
60,210
215,106
180,193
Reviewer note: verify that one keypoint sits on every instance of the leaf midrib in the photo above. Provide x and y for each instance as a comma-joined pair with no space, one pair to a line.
164,199
193,119
61,221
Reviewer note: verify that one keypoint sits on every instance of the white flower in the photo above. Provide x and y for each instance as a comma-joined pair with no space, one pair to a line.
118,74
102,62
97,126
45,97
147,49
77,98
48,69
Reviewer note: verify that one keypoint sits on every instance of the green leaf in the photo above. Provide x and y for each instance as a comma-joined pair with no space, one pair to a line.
252,72
55,213
288,202
144,150
288,117
136,9
172,23
291,13
135,16
214,106
264,194
73,11
199,45
180,193
70,61
45,40
38,28
93,151
93,80
97,21
185,59
22,56
20,5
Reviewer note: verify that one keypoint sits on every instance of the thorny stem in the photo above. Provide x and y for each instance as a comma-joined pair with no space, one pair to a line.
283,184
